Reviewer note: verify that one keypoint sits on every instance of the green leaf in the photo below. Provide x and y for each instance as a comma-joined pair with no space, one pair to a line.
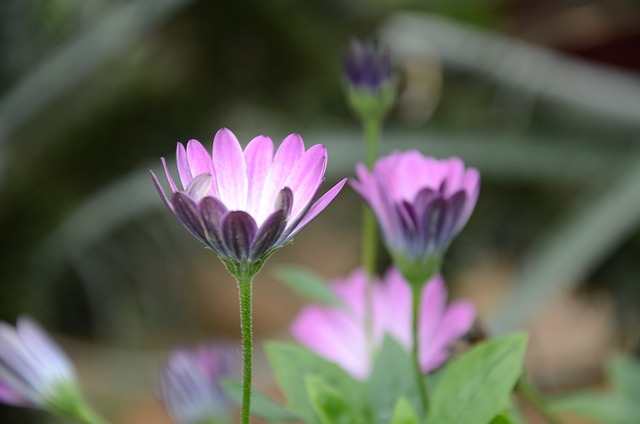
393,376
329,404
502,419
610,409
403,413
261,405
308,284
624,373
291,364
475,387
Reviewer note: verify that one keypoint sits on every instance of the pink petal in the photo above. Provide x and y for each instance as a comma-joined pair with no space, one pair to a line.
200,163
258,156
351,290
318,206
156,183
40,345
432,309
172,184
230,170
305,177
456,321
335,336
288,153
392,303
183,166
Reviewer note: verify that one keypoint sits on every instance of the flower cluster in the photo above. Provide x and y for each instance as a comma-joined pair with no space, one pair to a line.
246,204
339,333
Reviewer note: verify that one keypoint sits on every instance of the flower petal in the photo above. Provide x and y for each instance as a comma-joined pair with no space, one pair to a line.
238,230
199,186
172,184
306,176
187,212
156,183
284,201
183,166
286,156
211,212
230,170
258,156
318,207
268,234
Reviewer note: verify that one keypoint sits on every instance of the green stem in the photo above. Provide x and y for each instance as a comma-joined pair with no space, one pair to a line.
371,129
87,415
417,296
245,289
535,399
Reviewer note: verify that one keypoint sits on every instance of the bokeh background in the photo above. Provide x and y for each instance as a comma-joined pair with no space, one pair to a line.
542,96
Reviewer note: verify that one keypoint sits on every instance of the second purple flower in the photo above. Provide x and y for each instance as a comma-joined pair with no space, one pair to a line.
421,203
247,204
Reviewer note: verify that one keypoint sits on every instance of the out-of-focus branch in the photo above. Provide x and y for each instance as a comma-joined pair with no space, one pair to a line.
62,69
610,93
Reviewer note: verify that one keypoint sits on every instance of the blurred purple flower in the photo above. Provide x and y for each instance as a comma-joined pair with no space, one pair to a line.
190,383
34,371
421,204
339,334
367,66
247,204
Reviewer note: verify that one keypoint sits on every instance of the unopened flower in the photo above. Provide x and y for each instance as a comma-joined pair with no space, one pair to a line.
370,79
421,204
246,204
190,384
339,334
34,371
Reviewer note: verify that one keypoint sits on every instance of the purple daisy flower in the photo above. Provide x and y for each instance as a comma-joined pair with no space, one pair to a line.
190,383
339,334
247,204
421,204
34,371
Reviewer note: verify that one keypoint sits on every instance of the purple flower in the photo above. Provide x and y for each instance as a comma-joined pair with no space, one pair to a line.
339,334
367,66
190,383
34,371
421,203
247,204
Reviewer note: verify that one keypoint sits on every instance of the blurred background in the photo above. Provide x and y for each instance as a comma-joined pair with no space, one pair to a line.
542,96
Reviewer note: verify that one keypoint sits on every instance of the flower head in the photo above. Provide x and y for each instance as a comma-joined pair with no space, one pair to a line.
421,204
246,204
370,78
34,371
339,333
190,383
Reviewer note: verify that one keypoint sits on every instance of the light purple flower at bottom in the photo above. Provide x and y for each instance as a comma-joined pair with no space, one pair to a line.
339,334
34,371
190,383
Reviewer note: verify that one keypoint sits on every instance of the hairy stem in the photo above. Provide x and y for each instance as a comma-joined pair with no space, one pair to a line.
245,289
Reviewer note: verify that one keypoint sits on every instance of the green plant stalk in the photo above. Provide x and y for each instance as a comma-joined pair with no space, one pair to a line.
417,296
87,415
245,290
531,394
371,129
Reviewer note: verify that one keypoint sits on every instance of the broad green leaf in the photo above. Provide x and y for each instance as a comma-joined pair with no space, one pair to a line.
393,376
624,373
261,405
475,387
291,364
502,419
609,409
329,404
308,284
403,413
